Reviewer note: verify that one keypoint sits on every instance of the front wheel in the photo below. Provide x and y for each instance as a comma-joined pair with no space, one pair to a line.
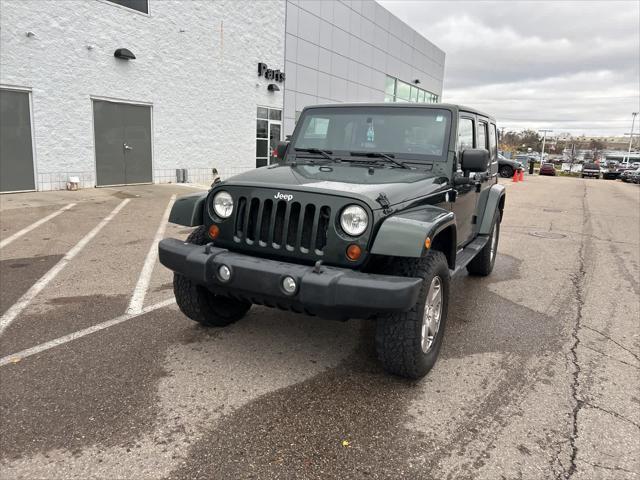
408,343
201,305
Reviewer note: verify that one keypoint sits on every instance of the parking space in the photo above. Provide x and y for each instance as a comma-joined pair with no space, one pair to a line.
538,376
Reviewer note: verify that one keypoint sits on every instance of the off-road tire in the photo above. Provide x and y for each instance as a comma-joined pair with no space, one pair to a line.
398,335
482,264
505,171
201,305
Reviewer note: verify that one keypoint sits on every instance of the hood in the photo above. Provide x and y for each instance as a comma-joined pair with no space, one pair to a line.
398,184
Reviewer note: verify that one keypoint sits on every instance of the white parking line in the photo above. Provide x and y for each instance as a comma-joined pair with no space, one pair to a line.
140,291
10,315
17,235
16,357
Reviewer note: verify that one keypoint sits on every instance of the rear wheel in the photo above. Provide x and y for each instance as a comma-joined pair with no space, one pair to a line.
483,262
408,343
201,305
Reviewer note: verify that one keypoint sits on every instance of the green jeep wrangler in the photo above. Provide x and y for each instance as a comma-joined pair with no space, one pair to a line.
369,212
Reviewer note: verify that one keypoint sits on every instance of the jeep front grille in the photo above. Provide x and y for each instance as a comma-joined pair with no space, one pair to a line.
279,224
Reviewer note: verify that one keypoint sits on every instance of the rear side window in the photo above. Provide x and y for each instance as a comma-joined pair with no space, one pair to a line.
482,136
465,134
493,141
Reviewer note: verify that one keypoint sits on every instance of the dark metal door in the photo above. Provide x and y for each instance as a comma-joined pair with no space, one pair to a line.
123,143
137,143
16,148
108,129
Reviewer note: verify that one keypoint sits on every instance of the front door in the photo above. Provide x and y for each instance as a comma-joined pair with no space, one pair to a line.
464,205
274,139
122,142
16,147
268,134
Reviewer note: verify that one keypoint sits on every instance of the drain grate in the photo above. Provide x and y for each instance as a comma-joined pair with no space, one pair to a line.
551,235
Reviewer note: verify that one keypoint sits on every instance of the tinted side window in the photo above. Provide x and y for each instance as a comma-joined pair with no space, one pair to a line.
493,143
482,136
465,134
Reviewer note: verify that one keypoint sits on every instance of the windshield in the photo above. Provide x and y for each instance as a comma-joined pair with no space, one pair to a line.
419,134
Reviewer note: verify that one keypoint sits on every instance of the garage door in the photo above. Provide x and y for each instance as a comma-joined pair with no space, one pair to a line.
123,143
16,148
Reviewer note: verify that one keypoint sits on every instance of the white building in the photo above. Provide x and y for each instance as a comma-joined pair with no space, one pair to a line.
214,83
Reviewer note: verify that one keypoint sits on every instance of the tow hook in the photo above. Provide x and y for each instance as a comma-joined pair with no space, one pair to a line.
317,267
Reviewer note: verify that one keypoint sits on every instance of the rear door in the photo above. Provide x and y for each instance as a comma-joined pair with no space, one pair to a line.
16,147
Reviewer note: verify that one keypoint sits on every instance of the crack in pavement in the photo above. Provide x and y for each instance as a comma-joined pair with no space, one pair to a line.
577,279
635,355
614,414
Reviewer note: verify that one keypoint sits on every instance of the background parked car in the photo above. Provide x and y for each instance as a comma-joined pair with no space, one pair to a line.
590,170
507,167
547,169
630,176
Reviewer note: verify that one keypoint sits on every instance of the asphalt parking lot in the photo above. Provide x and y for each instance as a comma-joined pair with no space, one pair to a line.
102,377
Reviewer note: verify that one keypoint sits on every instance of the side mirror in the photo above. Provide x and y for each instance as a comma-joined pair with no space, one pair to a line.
475,160
281,150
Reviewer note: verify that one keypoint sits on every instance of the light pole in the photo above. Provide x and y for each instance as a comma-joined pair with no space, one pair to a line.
544,139
633,121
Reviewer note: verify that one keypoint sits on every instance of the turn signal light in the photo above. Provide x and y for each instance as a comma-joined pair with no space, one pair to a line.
353,252
427,243
214,231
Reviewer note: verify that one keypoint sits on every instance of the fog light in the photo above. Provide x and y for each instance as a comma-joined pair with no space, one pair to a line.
224,273
289,285
214,231
353,252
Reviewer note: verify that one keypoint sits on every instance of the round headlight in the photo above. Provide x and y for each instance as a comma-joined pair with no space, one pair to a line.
354,220
223,204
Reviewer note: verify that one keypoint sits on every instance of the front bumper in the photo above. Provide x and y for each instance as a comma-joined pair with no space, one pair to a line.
333,292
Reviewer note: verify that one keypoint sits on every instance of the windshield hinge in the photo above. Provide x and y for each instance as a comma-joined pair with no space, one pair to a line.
383,200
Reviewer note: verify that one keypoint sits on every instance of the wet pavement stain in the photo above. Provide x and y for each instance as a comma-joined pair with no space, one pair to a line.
17,275
103,406
60,316
298,431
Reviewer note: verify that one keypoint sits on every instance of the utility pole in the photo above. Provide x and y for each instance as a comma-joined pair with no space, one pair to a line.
633,121
544,139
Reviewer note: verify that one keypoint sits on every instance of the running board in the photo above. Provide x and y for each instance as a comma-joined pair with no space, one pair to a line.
468,253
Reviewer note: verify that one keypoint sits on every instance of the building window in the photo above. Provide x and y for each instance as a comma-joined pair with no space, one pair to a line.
268,134
398,91
139,5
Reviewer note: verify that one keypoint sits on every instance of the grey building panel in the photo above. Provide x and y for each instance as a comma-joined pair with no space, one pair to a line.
16,147
353,46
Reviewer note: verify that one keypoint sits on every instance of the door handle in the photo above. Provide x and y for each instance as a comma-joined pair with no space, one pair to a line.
127,147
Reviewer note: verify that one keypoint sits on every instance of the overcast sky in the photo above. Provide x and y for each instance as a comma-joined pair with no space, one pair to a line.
569,66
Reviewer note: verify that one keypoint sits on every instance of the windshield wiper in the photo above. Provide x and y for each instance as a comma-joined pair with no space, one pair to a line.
325,153
379,155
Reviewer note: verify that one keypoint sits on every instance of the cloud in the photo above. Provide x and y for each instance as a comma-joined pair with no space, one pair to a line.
569,66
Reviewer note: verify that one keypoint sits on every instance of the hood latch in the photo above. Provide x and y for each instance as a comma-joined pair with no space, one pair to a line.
383,200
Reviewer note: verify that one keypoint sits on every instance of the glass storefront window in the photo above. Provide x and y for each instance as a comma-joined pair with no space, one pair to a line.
390,86
398,91
403,91
275,114
261,128
263,112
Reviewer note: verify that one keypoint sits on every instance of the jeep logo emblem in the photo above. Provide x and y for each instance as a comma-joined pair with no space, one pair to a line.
282,196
